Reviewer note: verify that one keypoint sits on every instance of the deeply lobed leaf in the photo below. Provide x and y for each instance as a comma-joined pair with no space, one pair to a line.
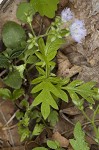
79,142
45,7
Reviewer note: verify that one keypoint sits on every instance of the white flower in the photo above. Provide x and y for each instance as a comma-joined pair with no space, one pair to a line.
78,31
66,15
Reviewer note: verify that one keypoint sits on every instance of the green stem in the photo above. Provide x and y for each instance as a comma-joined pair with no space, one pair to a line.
32,29
40,36
86,116
96,131
93,124
46,34
47,70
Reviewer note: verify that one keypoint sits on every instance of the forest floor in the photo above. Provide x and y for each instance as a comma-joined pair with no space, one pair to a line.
79,61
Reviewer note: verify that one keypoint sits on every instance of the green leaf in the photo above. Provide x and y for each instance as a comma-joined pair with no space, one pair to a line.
79,142
40,148
23,9
24,103
45,110
47,52
63,94
5,93
59,83
41,45
13,35
55,79
31,59
47,86
24,134
76,100
38,129
52,47
19,115
17,93
36,114
4,62
16,53
45,7
75,83
85,90
41,71
51,144
27,53
40,56
20,69
45,96
88,85
13,79
46,89
38,80
53,118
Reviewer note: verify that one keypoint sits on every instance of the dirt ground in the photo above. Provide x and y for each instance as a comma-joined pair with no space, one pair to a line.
80,61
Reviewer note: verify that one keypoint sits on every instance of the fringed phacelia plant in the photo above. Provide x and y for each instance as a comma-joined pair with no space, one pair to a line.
39,93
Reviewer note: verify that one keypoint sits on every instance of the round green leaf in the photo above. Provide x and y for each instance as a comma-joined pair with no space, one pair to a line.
13,79
13,35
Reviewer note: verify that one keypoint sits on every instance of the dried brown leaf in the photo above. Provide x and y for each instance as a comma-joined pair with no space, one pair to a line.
62,140
71,111
65,68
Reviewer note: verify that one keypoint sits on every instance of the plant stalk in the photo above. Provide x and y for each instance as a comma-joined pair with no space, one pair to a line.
93,124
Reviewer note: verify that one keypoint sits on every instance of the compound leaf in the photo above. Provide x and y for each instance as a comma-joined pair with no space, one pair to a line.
46,89
85,90
79,141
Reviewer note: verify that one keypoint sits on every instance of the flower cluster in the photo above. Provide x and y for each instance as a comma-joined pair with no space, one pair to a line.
78,31
77,28
66,15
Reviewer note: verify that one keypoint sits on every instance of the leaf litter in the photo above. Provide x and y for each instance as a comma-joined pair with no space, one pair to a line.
74,60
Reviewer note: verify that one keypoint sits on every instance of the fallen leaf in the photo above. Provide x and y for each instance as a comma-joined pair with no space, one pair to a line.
71,111
8,135
62,140
65,68
63,127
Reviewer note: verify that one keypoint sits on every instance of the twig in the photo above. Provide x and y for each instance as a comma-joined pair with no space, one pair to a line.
12,142
87,123
9,128
2,73
11,118
68,120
